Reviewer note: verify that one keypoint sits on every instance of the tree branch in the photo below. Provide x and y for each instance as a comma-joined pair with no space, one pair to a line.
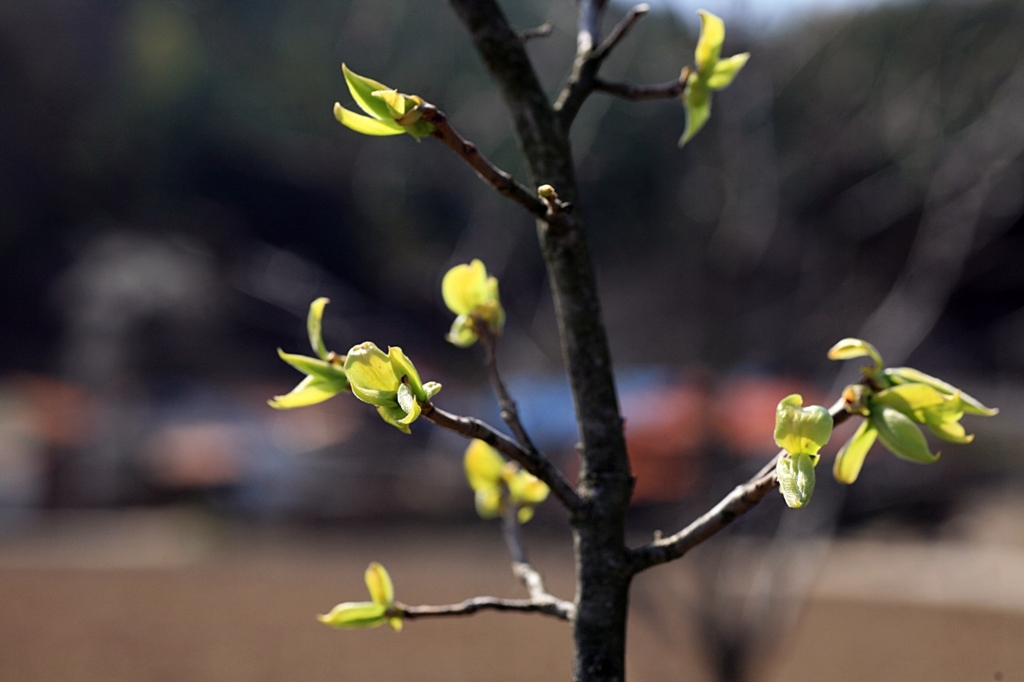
509,411
556,607
621,29
534,462
643,92
736,503
583,79
488,172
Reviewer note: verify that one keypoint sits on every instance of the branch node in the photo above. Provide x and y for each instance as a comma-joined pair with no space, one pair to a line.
542,31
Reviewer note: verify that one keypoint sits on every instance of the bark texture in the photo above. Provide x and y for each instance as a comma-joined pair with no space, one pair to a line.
605,483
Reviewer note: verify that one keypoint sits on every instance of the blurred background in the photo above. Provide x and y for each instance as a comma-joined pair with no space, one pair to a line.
174,191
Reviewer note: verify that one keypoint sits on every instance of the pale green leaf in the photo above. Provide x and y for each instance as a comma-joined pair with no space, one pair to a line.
431,388
362,90
314,326
952,432
465,287
850,348
709,44
462,333
697,103
394,100
905,375
483,464
371,373
310,391
365,124
919,401
488,502
394,415
378,582
352,615
800,430
404,369
407,403
851,456
901,436
796,478
723,73
526,489
314,366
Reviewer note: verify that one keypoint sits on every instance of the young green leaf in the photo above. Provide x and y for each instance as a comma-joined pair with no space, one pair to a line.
796,478
362,90
371,375
484,466
900,435
851,456
403,368
697,103
709,44
307,365
800,430
365,124
353,615
378,582
907,375
310,391
314,326
723,73
850,348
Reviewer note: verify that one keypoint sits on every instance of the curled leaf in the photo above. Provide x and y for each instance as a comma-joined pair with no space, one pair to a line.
800,430
901,436
725,71
365,124
850,348
697,103
310,391
378,582
354,615
314,326
795,474
362,89
851,456
324,370
906,375
709,44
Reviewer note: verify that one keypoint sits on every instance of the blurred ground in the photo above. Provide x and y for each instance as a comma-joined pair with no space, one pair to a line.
169,595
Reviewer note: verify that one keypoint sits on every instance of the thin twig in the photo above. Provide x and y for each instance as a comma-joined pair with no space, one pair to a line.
491,174
509,412
542,31
621,29
589,25
522,569
558,608
583,79
643,92
741,499
534,462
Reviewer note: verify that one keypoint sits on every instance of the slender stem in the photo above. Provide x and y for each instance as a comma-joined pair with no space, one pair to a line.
534,462
621,29
736,503
589,24
644,92
488,172
556,607
583,79
509,411
523,570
